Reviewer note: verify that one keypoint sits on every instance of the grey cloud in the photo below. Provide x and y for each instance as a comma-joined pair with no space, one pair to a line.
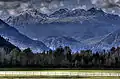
109,6
14,0
47,6
106,3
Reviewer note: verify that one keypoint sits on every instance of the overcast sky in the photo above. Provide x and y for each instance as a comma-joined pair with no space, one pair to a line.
14,7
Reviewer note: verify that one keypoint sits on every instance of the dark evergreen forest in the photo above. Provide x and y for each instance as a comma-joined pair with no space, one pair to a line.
62,57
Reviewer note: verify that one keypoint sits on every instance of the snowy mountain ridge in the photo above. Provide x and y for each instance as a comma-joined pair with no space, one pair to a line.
89,26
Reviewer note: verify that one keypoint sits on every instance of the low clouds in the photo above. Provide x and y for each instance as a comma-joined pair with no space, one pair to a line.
14,0
110,6
106,3
14,7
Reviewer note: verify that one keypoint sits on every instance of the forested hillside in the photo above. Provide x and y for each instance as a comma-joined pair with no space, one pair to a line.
10,56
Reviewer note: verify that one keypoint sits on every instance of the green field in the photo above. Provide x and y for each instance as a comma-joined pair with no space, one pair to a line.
106,71
53,76
87,78
58,70
69,78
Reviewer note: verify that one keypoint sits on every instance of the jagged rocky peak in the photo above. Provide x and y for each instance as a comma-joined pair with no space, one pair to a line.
77,12
64,10
30,16
60,13
82,12
94,11
34,12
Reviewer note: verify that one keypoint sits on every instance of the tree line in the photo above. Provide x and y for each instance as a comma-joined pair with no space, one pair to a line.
60,58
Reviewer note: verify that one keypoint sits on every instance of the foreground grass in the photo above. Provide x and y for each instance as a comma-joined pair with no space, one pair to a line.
86,78
106,71
60,78
101,78
58,70
56,77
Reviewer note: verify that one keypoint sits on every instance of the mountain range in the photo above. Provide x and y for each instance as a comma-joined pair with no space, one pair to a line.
77,28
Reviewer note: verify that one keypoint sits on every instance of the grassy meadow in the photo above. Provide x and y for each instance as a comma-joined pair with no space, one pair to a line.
53,76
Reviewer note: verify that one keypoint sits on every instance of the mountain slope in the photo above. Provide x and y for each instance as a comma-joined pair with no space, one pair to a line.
6,44
18,39
112,39
54,42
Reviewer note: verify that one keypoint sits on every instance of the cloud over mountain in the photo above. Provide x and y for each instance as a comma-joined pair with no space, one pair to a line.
14,7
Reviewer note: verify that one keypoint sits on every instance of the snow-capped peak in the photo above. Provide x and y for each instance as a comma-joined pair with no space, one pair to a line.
27,17
60,13
34,13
